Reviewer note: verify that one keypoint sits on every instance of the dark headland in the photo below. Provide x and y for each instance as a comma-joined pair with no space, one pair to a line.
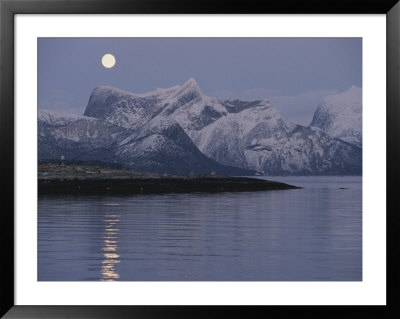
86,180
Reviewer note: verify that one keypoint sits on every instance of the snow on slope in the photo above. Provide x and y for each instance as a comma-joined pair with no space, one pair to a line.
261,138
186,104
124,108
227,139
161,145
72,135
340,116
57,118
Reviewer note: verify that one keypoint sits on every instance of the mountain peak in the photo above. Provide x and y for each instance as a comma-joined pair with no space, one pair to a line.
190,85
191,82
340,116
353,95
354,90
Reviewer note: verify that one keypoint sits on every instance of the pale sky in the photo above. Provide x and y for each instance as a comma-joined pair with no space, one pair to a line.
293,73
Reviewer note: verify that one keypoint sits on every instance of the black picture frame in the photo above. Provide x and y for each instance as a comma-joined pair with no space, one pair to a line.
8,8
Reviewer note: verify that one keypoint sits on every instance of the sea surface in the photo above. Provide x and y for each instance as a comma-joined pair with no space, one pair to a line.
308,234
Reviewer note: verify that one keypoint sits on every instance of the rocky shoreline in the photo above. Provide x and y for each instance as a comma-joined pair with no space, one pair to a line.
157,185
73,180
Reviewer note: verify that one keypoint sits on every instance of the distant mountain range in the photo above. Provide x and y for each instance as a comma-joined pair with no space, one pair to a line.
180,130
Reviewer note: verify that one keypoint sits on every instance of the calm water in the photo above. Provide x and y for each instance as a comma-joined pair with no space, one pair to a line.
304,234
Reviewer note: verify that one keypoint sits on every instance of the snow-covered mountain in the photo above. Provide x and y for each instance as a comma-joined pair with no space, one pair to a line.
73,136
160,145
185,104
252,135
340,116
260,138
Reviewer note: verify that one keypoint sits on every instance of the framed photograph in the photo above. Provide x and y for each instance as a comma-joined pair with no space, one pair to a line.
160,154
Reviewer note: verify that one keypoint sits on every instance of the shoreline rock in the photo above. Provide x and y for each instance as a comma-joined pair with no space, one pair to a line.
156,186
86,180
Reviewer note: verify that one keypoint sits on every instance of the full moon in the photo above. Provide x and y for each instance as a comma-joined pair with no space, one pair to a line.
108,60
